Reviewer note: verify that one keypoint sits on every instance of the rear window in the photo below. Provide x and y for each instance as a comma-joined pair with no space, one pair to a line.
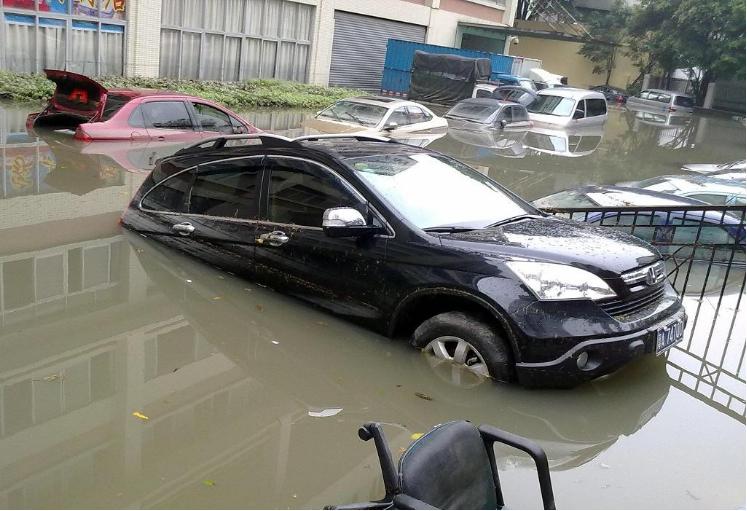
473,112
114,102
684,101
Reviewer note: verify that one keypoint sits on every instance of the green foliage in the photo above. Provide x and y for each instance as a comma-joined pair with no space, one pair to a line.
239,95
609,29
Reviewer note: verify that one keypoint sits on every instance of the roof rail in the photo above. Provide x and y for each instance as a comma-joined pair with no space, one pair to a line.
208,144
360,138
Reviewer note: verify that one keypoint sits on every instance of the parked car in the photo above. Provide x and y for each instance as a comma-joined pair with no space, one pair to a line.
413,243
570,143
612,94
97,113
658,100
568,107
377,115
506,92
544,79
732,168
517,81
480,113
718,192
677,231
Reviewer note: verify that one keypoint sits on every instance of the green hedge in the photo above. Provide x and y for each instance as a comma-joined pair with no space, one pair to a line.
240,95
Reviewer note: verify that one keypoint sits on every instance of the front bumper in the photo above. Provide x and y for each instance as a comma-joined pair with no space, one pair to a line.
605,355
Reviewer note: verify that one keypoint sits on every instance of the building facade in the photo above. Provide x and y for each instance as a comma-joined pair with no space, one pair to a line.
337,42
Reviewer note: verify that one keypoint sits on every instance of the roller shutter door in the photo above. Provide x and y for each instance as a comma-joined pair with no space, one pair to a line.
359,48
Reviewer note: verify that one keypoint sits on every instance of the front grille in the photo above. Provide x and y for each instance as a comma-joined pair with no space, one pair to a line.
651,274
633,303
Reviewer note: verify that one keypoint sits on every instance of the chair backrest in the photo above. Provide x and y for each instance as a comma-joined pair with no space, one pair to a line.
449,468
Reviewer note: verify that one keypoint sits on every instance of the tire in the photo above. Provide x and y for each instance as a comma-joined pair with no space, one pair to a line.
483,344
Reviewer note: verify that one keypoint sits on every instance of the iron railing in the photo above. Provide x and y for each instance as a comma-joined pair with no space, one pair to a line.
704,248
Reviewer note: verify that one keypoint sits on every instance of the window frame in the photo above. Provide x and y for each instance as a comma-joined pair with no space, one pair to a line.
185,103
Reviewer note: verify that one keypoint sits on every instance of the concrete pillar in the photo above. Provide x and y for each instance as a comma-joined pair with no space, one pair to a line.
321,51
143,44
646,81
710,95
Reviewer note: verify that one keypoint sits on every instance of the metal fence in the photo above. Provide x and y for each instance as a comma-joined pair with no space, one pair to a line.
704,248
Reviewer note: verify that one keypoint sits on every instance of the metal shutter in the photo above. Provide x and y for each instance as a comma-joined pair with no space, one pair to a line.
359,48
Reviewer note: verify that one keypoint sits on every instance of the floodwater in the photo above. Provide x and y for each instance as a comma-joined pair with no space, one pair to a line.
135,377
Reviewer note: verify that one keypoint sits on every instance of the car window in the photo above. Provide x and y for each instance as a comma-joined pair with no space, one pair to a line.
663,98
595,107
114,102
579,112
687,233
363,114
684,101
552,105
212,119
301,191
710,198
136,119
504,115
645,95
166,115
399,116
170,195
482,93
226,189
417,114
519,114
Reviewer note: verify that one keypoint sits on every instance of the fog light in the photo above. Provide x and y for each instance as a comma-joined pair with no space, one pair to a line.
582,359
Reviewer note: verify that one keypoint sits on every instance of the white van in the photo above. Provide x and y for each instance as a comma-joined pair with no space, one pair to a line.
568,107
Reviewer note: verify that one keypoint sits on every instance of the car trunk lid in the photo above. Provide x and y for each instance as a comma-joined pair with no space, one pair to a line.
76,94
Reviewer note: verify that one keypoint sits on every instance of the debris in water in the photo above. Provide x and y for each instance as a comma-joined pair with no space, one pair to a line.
275,342
415,436
694,497
398,386
188,281
321,323
604,465
424,396
260,307
217,298
208,482
327,412
140,416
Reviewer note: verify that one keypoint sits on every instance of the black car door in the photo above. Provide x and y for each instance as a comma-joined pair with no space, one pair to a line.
211,211
293,253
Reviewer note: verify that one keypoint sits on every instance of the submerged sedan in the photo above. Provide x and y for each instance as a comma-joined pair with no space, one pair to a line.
415,244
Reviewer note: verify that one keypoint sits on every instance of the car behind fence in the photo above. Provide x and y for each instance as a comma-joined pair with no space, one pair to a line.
704,248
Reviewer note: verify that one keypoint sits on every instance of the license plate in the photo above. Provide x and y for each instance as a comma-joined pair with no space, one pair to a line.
669,335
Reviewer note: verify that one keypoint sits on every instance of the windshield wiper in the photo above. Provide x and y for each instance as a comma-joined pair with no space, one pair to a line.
514,219
449,228
355,118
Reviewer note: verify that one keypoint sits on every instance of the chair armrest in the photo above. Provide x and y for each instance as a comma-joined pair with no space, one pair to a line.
533,449
402,501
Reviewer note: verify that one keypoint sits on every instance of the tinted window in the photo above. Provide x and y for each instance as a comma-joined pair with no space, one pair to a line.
169,195
684,101
136,118
226,189
212,119
300,192
595,107
482,93
519,114
166,114
113,103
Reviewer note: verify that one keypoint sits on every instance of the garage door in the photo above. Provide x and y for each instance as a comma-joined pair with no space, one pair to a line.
359,48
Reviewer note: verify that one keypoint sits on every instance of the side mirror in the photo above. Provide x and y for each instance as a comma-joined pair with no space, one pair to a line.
346,223
503,123
391,126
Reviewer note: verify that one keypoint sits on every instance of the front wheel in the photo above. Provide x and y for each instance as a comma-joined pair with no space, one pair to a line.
466,341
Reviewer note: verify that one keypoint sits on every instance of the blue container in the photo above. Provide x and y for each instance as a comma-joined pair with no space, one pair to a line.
398,63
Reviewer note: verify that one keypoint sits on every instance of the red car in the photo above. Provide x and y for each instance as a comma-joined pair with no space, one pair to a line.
97,113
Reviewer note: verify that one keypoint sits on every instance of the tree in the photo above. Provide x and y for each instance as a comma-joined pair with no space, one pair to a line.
704,34
608,30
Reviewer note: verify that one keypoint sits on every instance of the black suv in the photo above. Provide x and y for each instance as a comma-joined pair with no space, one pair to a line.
413,243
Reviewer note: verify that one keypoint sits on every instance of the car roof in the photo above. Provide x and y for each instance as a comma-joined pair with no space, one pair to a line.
571,92
345,148
696,183
487,102
384,101
640,197
145,93
671,92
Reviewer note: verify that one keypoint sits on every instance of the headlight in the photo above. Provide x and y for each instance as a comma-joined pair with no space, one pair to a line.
551,281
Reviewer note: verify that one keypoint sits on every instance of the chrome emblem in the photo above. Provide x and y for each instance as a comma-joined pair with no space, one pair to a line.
654,275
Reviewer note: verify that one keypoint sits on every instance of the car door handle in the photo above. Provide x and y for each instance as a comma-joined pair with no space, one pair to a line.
274,238
161,138
184,228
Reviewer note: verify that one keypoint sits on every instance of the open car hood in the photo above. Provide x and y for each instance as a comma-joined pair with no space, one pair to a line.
74,92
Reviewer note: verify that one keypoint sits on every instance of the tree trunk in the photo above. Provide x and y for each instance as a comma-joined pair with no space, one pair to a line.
610,65
703,89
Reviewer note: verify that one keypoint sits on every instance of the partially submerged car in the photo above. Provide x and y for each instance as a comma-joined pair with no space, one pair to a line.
544,79
568,107
719,192
413,243
487,113
377,115
512,93
659,100
612,94
732,168
97,113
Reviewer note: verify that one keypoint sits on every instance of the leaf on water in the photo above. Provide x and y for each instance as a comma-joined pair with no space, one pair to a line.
208,482
327,412
424,396
140,416
260,307
217,298
415,436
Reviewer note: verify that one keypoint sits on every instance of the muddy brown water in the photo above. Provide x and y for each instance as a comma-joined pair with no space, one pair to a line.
135,377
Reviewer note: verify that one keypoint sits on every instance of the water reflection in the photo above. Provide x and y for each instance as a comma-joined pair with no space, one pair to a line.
570,143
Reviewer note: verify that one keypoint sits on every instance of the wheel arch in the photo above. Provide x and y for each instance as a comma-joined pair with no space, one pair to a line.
422,304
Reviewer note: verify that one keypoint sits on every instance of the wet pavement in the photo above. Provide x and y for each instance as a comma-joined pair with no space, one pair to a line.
135,377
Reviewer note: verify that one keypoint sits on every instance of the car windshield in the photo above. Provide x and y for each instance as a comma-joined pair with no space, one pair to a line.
685,101
432,190
565,199
552,105
363,114
473,111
